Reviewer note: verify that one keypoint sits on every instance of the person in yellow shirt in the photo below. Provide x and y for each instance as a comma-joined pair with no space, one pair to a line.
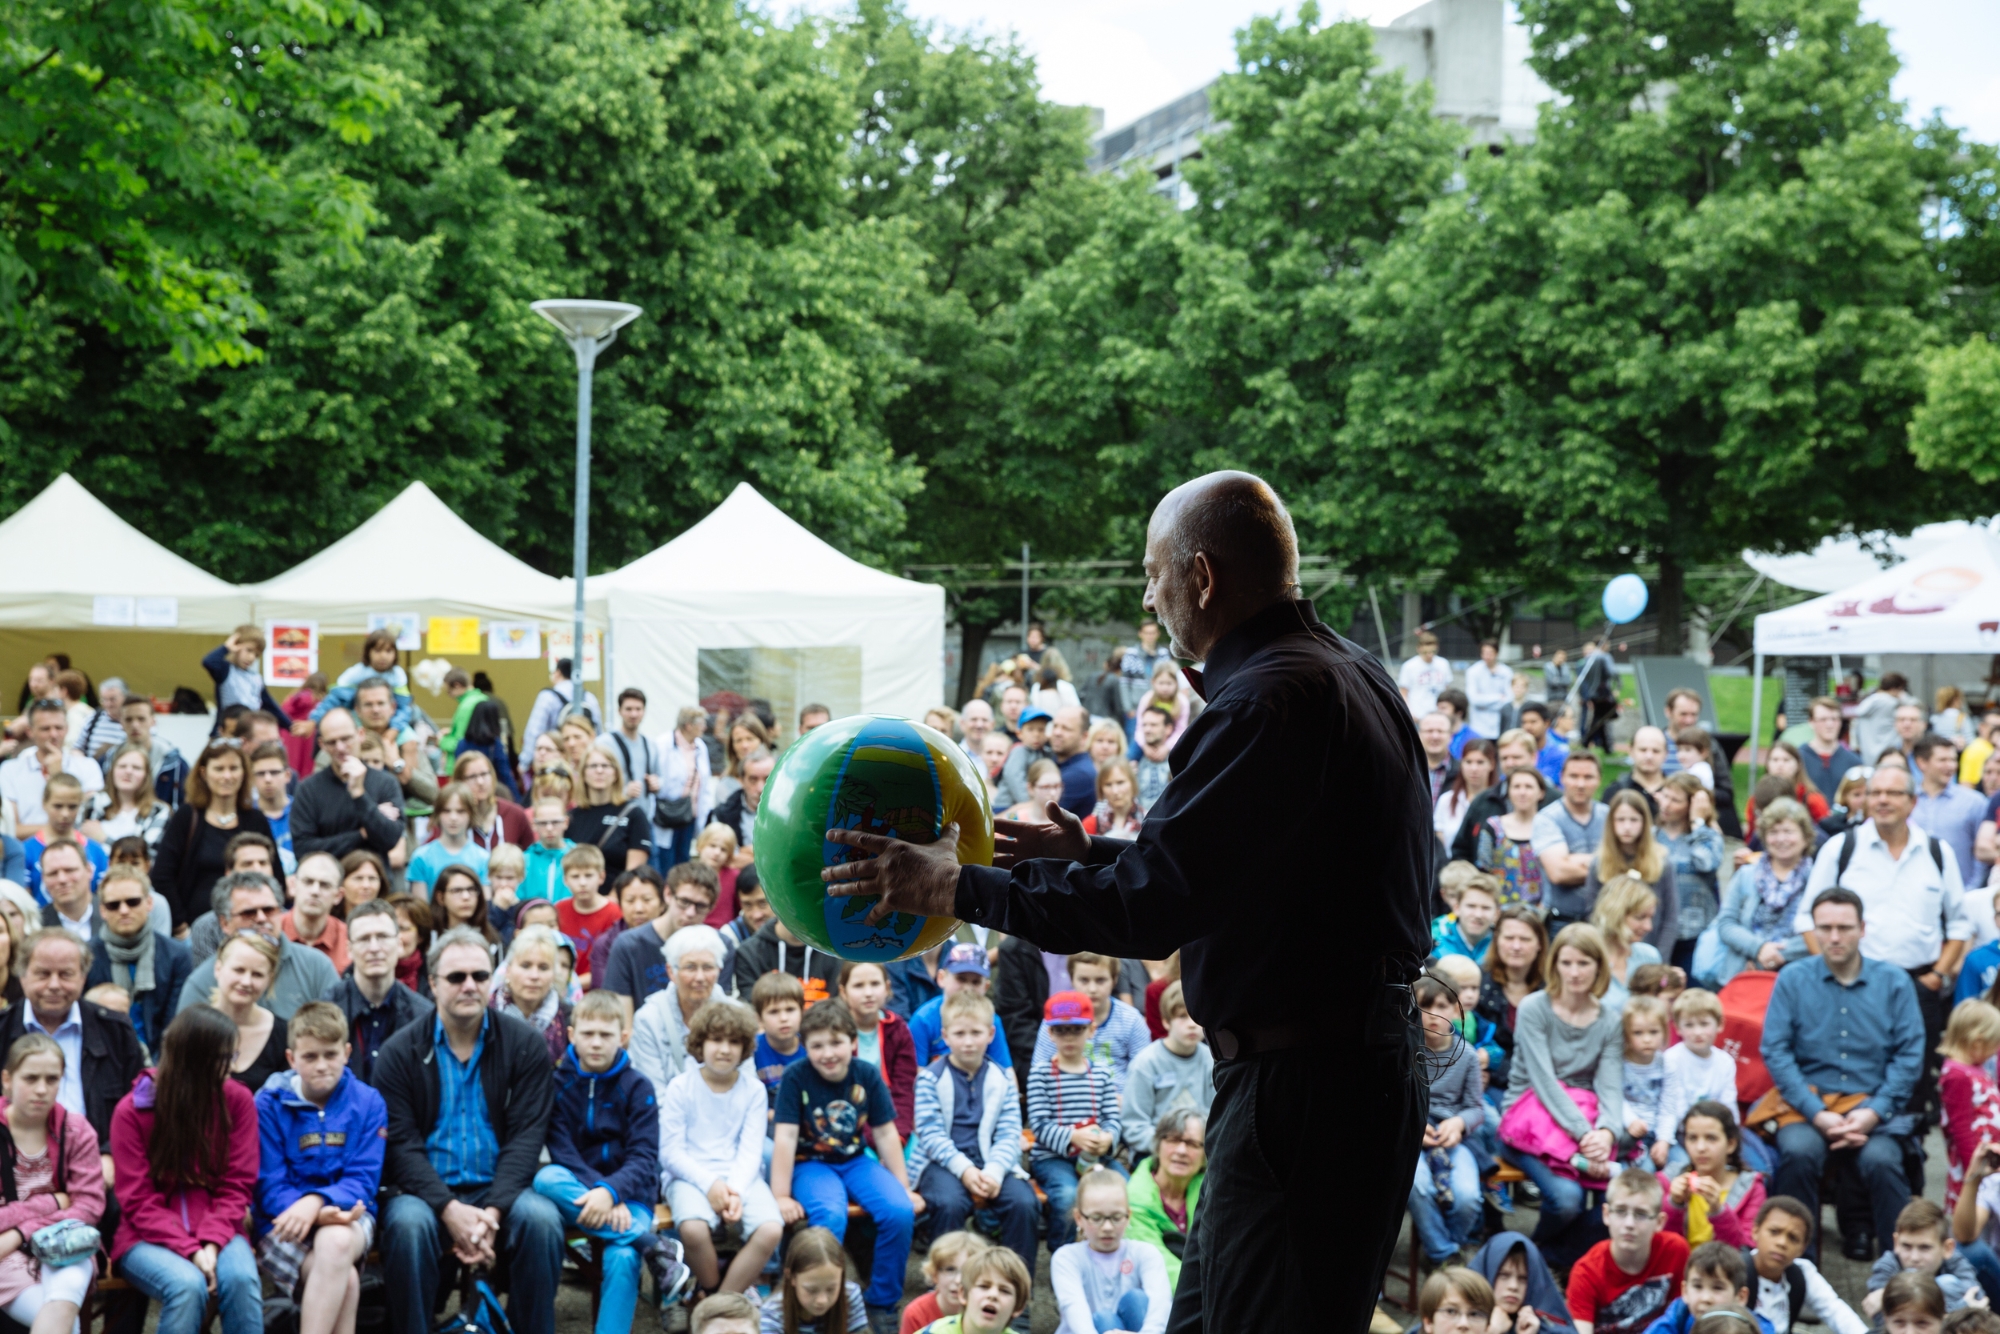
1972,764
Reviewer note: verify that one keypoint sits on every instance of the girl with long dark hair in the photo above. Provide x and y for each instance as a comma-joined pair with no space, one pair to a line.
184,1147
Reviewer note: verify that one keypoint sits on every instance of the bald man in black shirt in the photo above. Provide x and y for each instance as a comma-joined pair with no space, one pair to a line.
1289,860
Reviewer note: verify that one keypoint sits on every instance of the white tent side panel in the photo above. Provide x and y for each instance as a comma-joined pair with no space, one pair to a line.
71,548
1945,600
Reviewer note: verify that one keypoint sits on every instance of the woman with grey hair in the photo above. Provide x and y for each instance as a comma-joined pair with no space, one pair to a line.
1166,1188
1754,929
685,777
528,987
694,957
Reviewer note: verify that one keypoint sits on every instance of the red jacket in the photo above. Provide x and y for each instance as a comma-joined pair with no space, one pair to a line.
83,1178
188,1219
899,1071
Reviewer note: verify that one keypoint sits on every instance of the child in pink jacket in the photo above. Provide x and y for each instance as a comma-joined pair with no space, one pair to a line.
50,1173
184,1144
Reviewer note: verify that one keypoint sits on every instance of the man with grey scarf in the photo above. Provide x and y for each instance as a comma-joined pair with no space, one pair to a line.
136,970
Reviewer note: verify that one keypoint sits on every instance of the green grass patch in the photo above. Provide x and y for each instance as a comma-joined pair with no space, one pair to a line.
1732,702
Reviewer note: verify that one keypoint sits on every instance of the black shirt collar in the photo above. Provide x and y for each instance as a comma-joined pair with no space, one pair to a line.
1287,617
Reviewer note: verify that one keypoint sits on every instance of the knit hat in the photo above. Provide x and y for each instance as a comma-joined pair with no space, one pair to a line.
1068,1007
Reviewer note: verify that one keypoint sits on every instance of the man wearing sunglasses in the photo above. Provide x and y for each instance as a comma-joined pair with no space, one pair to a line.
249,901
470,1094
377,1006
137,971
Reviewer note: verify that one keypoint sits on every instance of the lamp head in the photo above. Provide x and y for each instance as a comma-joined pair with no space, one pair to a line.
587,319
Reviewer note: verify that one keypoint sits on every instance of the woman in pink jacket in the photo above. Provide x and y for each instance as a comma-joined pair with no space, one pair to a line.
49,1173
184,1145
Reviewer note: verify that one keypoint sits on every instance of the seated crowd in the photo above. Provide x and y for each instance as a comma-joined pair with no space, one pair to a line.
1593,948
331,992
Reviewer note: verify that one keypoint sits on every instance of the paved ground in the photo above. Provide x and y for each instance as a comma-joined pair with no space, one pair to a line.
1849,1278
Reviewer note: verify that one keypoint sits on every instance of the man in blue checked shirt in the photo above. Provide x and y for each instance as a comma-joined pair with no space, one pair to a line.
469,1095
1841,1024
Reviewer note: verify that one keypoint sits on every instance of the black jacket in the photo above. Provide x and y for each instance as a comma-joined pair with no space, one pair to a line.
1292,708
765,953
520,1090
739,821
173,961
402,1006
111,1059
325,818
1020,989
175,875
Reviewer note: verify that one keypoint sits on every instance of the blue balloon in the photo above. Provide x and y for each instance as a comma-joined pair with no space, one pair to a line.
1624,598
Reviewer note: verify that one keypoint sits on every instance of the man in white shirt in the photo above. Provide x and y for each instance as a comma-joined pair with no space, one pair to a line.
1489,689
976,720
1434,733
1424,675
1913,902
23,778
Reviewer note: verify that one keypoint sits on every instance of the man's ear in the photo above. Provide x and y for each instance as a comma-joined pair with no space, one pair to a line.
1204,579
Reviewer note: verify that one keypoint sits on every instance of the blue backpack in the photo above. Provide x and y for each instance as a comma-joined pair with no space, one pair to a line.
479,1310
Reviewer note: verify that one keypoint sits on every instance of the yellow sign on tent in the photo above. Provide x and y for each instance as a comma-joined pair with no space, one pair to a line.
454,634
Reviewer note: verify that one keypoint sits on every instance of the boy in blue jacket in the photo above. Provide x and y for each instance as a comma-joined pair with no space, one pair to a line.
322,1133
1717,1275
605,1142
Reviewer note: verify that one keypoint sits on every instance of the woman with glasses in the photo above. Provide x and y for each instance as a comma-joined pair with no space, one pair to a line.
1045,785
193,846
457,899
694,956
244,969
1166,1187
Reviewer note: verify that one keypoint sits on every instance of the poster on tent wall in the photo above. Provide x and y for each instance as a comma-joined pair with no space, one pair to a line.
408,625
517,641
454,634
291,652
593,651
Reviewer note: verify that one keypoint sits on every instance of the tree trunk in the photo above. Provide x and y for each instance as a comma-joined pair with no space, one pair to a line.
1670,616
972,639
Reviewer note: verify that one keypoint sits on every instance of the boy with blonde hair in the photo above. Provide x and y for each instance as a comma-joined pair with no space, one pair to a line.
1467,930
1175,1073
942,1267
585,913
1627,1282
1693,1071
726,1313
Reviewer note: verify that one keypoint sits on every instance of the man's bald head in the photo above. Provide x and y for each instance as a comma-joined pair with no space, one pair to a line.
1219,549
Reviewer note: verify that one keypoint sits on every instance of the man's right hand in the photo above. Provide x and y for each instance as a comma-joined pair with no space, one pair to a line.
356,775
1062,839
1831,1125
469,1229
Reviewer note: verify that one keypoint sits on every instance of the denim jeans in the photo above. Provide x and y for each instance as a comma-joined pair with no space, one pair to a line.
671,847
1802,1159
1562,1198
1984,1263
824,1188
182,1291
1442,1234
618,1294
1011,1212
416,1251
1130,1313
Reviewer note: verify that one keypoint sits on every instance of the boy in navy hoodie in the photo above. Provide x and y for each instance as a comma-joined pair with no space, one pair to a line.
322,1134
604,1139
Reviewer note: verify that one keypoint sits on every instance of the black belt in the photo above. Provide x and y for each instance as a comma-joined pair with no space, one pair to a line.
1232,1044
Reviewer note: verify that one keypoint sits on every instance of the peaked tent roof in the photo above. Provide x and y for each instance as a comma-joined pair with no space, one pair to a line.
1838,562
1944,600
414,554
72,548
748,545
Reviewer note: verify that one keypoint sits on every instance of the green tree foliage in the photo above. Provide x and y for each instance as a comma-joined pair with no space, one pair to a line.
1691,318
1957,426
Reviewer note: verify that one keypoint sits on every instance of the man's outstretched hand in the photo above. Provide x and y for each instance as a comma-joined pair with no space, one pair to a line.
910,877
1062,838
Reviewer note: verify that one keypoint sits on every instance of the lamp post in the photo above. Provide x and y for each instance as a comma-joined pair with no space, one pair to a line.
589,327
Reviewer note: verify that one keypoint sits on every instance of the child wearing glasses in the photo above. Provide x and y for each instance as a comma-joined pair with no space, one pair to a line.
1105,1282
1455,1301
1624,1284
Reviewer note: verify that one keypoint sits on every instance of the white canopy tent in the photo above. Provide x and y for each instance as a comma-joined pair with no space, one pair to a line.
749,600
1945,599
1839,562
82,567
414,554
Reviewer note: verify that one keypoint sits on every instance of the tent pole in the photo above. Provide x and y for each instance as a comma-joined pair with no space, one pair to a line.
1756,712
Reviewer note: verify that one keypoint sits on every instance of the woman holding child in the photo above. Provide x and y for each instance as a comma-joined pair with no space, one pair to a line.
1565,1100
1754,929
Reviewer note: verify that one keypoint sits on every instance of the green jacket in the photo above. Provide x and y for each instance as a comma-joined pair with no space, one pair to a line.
1150,1222
460,717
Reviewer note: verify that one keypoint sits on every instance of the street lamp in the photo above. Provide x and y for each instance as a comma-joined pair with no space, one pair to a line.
589,327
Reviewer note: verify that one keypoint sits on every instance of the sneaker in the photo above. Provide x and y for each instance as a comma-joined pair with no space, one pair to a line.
672,1279
884,1320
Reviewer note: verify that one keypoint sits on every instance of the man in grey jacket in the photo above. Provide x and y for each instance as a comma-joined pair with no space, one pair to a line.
346,806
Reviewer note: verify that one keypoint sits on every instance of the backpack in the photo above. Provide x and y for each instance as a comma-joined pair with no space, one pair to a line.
1846,855
478,1312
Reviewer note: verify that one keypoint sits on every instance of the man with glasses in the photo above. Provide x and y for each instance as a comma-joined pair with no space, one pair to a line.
470,1095
135,970
1844,1042
248,901
346,805
101,1055
377,1006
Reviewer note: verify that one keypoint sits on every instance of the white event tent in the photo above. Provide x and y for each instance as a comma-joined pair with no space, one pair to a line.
414,553
1943,599
752,591
82,568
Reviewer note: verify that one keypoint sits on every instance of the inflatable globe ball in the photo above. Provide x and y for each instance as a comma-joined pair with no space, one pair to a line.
883,775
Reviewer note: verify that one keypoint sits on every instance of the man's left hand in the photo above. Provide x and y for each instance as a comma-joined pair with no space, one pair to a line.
918,878
1062,838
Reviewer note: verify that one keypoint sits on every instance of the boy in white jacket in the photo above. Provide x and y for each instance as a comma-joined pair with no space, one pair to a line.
1694,1070
966,1155
712,1149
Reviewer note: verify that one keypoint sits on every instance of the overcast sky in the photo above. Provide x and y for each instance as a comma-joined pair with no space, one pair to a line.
1129,56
